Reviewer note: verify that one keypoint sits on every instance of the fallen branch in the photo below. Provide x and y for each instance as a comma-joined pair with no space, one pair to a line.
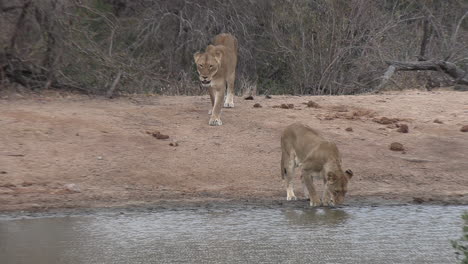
30,75
449,68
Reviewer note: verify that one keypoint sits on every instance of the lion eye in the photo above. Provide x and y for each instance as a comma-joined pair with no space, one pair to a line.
200,65
211,66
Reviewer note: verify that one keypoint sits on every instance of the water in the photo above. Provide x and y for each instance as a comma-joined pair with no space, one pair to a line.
386,234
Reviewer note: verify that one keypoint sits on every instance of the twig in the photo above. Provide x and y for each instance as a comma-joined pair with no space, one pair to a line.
114,84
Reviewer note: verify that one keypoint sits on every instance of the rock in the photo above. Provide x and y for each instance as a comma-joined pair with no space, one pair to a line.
403,128
99,157
461,87
249,98
437,121
157,134
71,187
174,144
257,105
341,108
284,106
3,172
312,104
385,120
395,146
349,129
267,96
8,185
464,128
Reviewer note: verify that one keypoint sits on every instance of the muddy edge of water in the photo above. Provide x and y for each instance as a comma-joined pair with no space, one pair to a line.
213,204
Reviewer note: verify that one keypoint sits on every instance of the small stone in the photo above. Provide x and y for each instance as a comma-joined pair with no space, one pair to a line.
257,105
312,104
71,187
385,120
157,134
461,87
395,146
464,128
249,98
437,121
350,129
3,172
8,185
174,144
403,128
99,157
267,96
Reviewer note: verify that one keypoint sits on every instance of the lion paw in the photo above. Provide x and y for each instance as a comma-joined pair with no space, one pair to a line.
210,112
293,198
215,122
228,104
314,203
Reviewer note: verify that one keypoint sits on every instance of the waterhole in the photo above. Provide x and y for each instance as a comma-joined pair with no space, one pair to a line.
384,234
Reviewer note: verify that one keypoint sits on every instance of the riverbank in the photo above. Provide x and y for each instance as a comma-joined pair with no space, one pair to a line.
72,151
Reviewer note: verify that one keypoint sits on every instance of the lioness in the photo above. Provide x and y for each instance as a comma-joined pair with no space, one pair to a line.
217,68
303,146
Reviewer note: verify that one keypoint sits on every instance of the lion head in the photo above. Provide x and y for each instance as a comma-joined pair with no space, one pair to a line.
208,64
337,186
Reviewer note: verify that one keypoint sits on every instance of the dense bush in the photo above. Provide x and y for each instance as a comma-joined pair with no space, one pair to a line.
295,46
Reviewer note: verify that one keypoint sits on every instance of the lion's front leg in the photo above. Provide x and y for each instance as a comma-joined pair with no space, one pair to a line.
308,182
215,119
212,99
326,197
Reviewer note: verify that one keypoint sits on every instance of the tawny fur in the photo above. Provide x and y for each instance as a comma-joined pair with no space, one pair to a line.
217,69
304,147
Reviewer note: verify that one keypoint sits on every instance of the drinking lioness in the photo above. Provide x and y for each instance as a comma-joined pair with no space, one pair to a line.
303,146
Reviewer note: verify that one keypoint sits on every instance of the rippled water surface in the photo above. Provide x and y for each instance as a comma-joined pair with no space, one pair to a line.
387,234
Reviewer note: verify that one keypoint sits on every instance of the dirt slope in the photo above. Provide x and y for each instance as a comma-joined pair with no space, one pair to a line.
61,151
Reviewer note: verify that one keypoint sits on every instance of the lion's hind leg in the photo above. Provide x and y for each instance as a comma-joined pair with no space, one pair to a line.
229,102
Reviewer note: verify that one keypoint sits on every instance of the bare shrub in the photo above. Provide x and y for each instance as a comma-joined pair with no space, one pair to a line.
294,47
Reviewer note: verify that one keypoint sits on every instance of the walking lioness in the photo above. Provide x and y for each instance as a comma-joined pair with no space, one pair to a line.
303,146
217,68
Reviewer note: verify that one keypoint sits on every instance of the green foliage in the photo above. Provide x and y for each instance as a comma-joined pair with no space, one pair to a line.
461,245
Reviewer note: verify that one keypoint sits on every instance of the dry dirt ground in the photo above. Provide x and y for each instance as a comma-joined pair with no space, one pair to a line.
73,151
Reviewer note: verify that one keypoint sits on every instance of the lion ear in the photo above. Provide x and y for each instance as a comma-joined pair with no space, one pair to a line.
349,173
196,56
331,177
218,55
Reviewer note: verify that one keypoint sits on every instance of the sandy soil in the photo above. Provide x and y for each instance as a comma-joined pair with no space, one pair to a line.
72,151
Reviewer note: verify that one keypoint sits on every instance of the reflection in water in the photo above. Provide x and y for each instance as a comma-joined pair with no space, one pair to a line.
316,216
404,234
